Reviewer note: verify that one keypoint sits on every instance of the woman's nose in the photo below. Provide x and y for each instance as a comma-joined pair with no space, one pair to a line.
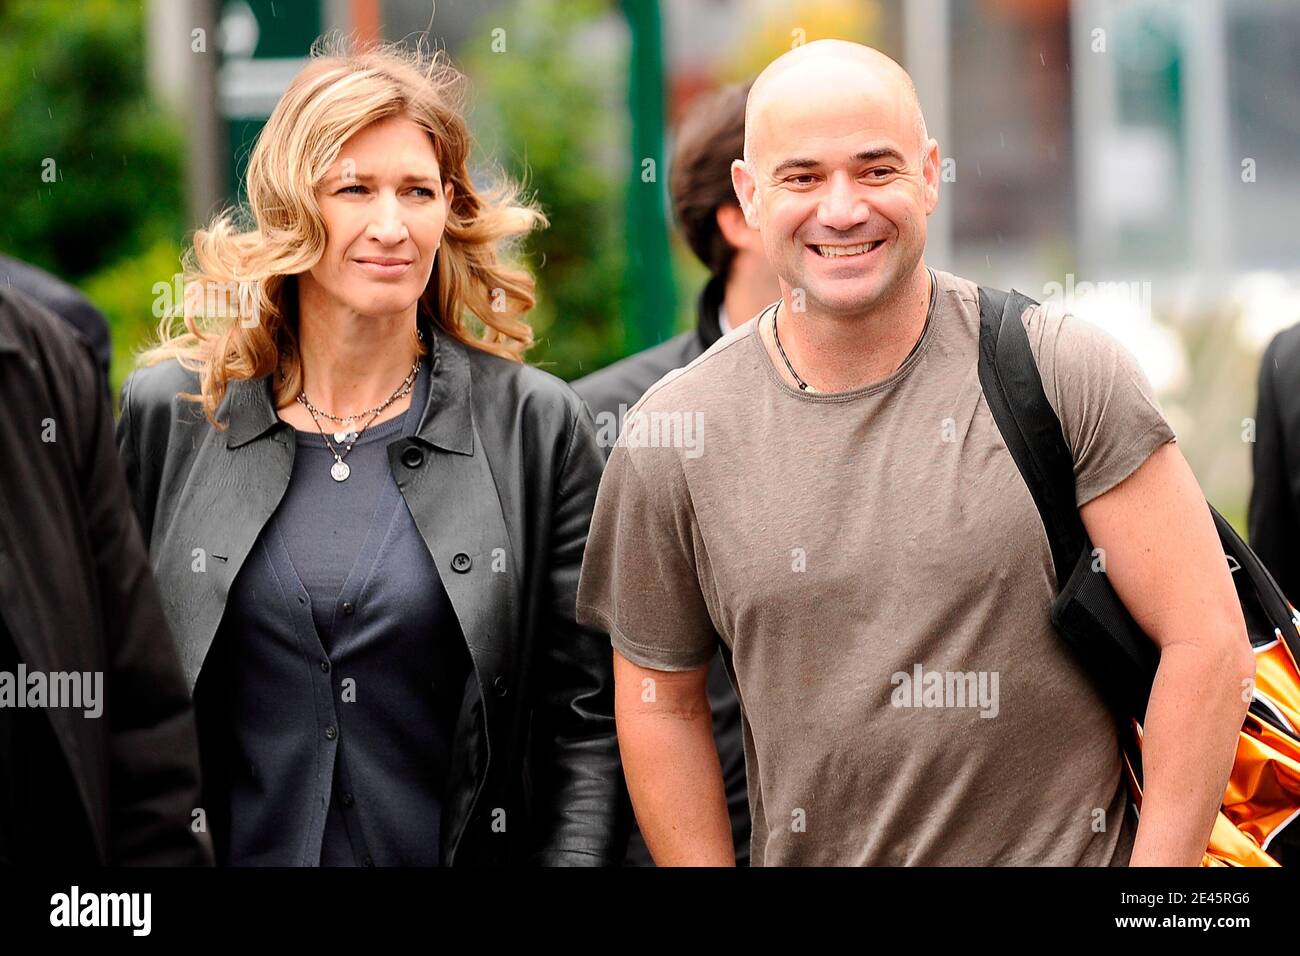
387,225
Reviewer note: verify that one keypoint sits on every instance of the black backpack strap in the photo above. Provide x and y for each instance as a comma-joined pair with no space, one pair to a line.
1087,612
1029,426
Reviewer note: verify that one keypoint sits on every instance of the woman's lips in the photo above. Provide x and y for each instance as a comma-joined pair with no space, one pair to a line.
384,268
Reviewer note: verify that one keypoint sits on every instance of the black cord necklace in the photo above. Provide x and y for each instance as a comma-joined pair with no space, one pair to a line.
804,386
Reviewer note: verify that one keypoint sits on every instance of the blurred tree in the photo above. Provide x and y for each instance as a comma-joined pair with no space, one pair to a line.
549,108
93,168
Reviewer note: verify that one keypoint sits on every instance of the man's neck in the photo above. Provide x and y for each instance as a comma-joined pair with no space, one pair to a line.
833,353
350,362
750,286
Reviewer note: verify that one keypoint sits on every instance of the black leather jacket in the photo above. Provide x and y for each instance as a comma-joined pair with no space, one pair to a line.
76,596
500,478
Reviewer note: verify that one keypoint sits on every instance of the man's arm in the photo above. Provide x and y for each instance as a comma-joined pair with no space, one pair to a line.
1165,561
665,736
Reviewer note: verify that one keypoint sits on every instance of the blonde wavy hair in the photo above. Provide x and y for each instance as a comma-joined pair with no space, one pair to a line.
239,318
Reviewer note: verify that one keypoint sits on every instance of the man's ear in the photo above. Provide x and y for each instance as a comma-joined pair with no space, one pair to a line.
742,181
735,229
930,170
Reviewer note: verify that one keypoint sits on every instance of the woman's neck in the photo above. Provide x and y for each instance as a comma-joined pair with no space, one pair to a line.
352,363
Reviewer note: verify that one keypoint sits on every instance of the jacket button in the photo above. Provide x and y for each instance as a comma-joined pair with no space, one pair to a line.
348,607
347,800
331,732
461,562
501,687
325,666
412,457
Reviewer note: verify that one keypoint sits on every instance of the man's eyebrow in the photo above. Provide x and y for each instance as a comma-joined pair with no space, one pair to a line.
795,164
866,156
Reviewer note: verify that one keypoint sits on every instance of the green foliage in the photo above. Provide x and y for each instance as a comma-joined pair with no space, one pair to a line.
75,110
553,116
127,292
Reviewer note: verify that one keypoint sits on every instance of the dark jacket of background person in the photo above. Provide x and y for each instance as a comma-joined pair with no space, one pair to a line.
76,595
500,479
623,383
66,302
1275,456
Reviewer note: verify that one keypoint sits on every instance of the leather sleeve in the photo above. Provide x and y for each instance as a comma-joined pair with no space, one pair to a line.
579,770
141,490
1274,530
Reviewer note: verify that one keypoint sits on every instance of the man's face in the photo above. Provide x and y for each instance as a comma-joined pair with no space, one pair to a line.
839,184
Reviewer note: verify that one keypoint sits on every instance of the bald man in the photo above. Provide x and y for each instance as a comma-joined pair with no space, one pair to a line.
826,492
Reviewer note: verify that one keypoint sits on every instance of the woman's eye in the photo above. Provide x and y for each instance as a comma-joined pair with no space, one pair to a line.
424,192
348,189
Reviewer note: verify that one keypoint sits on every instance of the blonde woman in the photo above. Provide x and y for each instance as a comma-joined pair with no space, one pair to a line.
365,513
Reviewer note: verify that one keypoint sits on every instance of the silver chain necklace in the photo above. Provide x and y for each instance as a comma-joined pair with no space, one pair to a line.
347,434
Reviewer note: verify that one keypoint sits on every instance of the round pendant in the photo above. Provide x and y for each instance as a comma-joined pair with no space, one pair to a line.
339,471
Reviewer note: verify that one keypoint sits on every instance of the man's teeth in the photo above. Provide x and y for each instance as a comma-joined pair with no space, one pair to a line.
833,251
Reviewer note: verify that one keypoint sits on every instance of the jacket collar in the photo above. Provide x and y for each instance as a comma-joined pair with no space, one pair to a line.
446,422
709,329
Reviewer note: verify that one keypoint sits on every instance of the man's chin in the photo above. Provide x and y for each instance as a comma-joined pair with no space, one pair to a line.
843,301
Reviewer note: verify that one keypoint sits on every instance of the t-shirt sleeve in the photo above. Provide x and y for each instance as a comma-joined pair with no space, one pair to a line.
1108,409
641,570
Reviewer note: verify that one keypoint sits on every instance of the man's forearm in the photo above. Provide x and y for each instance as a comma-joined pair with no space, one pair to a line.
675,782
1189,742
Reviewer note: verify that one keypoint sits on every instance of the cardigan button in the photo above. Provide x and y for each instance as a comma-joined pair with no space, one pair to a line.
461,562
412,457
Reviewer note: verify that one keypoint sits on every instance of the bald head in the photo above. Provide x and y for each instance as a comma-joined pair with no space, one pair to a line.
815,69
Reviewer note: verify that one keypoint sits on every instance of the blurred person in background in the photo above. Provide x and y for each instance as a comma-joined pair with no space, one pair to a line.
67,303
366,513
113,779
1274,520
740,283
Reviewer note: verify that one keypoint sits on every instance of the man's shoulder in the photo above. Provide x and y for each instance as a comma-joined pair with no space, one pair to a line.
1284,351
625,381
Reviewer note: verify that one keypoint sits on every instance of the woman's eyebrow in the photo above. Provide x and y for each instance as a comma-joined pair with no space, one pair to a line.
417,177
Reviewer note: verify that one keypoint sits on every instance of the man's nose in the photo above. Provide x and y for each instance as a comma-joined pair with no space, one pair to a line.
844,205
387,226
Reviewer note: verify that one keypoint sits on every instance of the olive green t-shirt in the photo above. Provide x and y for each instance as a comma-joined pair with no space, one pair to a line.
874,563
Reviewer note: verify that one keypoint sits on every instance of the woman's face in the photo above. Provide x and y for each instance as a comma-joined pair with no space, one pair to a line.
385,207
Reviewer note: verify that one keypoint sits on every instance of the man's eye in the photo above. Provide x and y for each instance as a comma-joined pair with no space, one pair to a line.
804,179
880,172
